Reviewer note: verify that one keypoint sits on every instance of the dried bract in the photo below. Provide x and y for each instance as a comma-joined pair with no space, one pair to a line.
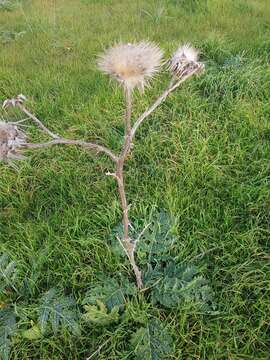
20,99
133,65
185,61
11,139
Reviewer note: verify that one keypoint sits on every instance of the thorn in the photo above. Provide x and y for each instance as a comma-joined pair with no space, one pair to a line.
112,174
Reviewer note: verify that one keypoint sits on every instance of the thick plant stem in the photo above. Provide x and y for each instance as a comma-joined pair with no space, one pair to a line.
127,243
171,87
128,95
123,200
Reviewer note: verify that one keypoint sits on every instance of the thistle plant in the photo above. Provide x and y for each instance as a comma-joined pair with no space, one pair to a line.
134,67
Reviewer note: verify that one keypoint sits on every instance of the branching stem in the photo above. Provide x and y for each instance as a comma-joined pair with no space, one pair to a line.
171,87
128,244
91,146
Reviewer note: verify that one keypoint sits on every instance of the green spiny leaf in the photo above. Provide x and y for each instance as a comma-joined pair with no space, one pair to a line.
7,273
57,310
33,333
110,292
157,240
117,233
152,342
99,315
45,308
176,283
9,36
7,330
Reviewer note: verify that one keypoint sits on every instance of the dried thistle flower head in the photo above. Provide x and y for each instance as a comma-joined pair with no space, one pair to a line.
11,139
20,99
185,61
133,65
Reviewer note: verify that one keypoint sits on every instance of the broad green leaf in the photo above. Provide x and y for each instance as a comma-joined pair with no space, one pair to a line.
58,310
152,342
7,273
175,284
110,292
154,244
33,333
158,240
99,315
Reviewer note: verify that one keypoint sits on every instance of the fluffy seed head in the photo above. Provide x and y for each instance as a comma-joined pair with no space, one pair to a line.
184,61
11,138
131,64
187,52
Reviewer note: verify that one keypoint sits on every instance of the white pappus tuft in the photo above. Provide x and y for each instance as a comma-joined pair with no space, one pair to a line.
185,61
133,65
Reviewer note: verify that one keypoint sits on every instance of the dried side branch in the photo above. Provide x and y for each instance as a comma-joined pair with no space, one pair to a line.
128,95
37,121
61,141
160,99
18,102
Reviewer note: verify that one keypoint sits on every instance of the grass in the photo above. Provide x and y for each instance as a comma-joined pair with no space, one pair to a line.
203,156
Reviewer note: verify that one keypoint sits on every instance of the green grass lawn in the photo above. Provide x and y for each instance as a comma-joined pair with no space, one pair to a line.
203,157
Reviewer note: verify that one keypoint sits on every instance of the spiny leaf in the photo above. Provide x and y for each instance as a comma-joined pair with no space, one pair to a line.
57,310
33,333
176,283
7,330
233,61
110,292
7,272
152,342
157,240
45,308
99,315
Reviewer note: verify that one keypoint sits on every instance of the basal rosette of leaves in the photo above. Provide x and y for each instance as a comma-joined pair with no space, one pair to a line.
111,302
167,281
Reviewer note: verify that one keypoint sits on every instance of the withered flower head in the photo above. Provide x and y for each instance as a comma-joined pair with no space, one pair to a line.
185,61
20,99
11,139
133,65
